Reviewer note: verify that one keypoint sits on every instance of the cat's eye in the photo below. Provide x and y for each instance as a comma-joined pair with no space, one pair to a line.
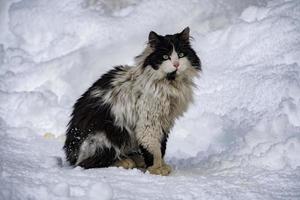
180,55
166,57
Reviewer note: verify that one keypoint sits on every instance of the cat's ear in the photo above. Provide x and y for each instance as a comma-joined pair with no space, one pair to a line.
185,34
153,38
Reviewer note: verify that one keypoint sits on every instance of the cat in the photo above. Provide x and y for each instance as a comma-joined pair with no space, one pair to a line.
128,113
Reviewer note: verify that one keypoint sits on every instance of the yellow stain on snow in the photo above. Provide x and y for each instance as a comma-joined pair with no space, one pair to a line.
51,136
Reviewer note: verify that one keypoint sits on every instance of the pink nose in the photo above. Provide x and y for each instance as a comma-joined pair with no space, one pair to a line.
176,64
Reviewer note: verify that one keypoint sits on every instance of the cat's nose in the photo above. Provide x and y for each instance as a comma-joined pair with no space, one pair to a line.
176,64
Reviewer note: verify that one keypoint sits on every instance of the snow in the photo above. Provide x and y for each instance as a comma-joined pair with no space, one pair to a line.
240,139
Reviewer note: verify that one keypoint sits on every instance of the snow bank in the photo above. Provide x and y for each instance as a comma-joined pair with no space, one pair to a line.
246,113
247,106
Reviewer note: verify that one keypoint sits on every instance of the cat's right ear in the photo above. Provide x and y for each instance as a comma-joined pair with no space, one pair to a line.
153,38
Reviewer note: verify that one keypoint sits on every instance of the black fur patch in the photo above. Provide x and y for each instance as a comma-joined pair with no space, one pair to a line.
148,157
106,79
171,76
164,144
90,116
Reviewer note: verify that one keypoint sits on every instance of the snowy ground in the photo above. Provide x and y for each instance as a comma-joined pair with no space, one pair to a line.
240,140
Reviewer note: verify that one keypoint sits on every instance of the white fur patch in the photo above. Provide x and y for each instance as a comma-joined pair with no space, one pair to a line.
184,63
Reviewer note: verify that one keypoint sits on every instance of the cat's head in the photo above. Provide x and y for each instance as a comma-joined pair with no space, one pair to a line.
172,55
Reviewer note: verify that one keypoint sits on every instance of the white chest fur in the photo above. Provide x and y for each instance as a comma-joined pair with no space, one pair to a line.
144,105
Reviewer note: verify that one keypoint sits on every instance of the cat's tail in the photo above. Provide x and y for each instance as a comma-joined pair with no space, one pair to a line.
102,157
95,151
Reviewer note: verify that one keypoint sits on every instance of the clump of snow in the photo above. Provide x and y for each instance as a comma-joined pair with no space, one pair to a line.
253,13
61,189
101,191
240,139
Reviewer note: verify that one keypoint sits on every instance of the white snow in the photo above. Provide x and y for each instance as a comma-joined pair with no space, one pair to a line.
240,139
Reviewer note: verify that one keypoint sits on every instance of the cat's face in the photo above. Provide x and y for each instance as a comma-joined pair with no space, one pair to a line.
172,54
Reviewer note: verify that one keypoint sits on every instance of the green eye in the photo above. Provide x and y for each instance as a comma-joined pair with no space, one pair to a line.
166,57
180,55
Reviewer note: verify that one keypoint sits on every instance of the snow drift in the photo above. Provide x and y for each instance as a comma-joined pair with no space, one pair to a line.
240,139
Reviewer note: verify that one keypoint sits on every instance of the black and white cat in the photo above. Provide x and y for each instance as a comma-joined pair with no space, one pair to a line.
130,110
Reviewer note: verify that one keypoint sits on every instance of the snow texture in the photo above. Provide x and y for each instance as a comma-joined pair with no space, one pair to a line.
240,139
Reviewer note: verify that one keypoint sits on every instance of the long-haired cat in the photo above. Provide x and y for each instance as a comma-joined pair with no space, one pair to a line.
130,110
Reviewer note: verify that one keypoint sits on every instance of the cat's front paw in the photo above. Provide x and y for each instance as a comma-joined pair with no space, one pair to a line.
167,167
163,170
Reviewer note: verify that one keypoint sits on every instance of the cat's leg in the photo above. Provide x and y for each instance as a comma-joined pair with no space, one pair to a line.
153,155
163,151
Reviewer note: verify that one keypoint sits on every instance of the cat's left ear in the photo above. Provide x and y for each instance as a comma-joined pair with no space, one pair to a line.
153,38
185,34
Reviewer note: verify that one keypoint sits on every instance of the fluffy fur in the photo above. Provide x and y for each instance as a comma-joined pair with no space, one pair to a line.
131,110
